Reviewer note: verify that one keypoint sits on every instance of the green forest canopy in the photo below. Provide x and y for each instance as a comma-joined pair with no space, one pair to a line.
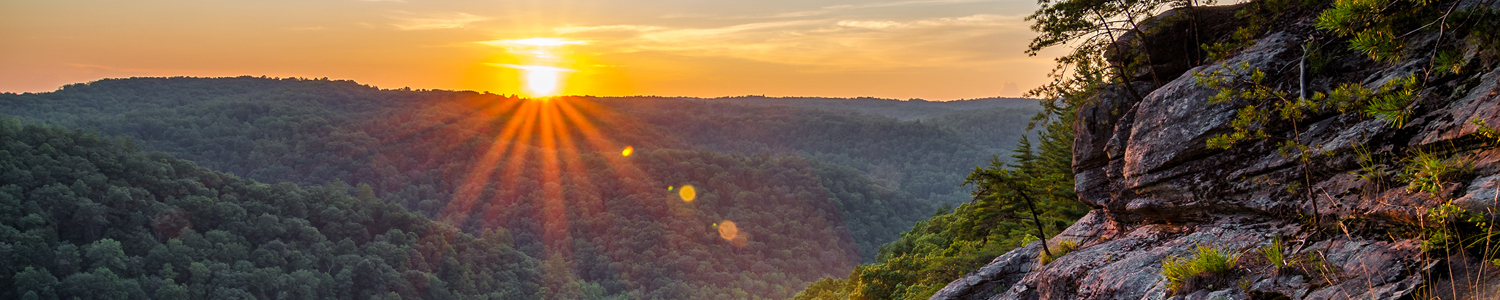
814,192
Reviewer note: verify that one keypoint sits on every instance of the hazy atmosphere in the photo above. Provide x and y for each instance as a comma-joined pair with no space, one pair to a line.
728,150
931,49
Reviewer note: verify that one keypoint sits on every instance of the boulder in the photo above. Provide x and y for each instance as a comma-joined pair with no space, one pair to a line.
1160,192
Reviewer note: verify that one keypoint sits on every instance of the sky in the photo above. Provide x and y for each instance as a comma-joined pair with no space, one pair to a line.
929,49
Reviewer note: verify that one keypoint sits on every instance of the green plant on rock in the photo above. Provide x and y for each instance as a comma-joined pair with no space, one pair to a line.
1487,241
1370,167
1265,104
1208,264
1426,172
1448,62
1372,25
1391,102
1242,38
1257,15
1062,247
1443,217
1491,136
1381,29
1275,253
1314,264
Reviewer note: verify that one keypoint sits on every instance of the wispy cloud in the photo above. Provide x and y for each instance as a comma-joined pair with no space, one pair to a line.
532,68
93,68
844,7
826,42
903,3
578,29
972,20
688,35
308,28
534,42
436,21
397,1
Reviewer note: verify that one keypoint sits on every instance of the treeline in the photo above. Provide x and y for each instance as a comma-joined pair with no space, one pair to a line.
311,131
905,110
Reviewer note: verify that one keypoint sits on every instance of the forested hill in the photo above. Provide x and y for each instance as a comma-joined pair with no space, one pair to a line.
83,217
713,201
289,129
907,110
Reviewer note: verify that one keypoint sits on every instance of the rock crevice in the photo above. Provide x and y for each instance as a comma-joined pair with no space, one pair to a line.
1161,192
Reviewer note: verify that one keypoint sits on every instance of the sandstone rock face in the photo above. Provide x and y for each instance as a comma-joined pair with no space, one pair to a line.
1160,192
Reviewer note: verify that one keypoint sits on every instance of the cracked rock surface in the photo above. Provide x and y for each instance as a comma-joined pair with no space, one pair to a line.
1160,192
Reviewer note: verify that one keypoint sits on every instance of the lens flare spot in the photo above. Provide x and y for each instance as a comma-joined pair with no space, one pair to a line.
687,193
627,151
731,233
728,231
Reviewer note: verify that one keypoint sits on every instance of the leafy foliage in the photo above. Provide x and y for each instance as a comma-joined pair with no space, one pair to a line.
1092,28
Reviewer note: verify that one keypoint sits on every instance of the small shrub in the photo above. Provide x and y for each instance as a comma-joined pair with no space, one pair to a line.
1371,168
1490,135
1425,172
1058,250
1391,102
1208,266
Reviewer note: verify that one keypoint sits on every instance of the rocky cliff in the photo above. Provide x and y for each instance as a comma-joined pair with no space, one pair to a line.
1351,223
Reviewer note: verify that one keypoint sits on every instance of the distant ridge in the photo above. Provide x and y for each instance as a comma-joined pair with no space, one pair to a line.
904,110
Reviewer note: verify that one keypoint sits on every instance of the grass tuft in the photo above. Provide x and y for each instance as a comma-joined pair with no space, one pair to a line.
1062,247
1207,266
1275,253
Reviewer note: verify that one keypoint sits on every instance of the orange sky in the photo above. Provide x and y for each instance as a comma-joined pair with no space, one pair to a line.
931,49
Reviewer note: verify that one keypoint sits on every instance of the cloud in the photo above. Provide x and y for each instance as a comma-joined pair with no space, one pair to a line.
437,21
532,68
866,44
972,20
397,1
534,42
309,28
687,15
836,8
902,3
691,34
92,68
580,29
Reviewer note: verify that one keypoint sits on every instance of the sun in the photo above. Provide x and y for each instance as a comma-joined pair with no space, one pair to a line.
542,63
542,83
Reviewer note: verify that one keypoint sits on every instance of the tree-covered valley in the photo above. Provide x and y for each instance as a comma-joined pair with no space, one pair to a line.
195,188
